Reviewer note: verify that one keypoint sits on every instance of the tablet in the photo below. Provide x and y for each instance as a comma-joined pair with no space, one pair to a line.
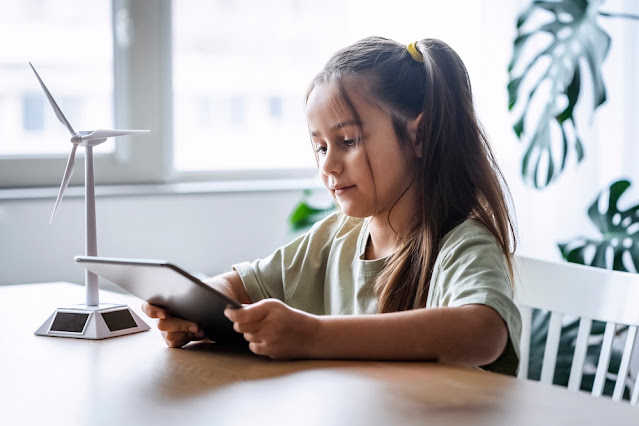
165,285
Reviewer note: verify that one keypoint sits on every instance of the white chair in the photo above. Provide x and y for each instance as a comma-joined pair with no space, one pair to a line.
586,292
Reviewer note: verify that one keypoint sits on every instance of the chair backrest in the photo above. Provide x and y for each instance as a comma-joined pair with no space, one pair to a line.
586,292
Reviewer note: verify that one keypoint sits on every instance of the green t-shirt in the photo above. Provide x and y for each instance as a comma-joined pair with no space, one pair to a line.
323,272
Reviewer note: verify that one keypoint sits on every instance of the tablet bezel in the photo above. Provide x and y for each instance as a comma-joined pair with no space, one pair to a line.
195,301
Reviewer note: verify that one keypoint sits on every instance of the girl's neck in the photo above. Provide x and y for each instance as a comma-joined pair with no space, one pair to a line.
384,238
382,242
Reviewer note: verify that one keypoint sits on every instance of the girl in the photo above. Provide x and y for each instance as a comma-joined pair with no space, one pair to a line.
417,264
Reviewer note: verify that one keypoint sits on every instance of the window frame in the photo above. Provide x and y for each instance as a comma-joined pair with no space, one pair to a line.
133,161
142,84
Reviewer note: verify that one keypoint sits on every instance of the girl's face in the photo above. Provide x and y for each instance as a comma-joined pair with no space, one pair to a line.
359,189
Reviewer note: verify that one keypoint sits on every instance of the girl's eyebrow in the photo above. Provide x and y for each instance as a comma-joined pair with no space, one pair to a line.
340,125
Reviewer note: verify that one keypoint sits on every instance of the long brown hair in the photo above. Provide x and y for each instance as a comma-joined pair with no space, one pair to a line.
457,177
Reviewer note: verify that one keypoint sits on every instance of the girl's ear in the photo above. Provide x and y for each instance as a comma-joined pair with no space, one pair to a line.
414,127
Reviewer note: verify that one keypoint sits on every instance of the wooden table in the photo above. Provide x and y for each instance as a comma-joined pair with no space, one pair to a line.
137,380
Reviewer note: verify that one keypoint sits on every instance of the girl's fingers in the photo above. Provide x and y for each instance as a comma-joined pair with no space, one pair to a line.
177,339
153,311
240,314
257,348
252,338
175,331
251,313
252,327
172,324
167,322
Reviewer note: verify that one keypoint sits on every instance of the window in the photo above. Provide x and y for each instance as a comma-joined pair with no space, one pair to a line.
219,83
70,45
32,112
275,107
80,49
260,57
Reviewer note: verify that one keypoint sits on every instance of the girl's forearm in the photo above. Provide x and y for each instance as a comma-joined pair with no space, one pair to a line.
231,285
470,335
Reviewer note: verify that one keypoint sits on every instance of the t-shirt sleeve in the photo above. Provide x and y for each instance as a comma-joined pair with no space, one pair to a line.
264,278
261,278
474,271
278,276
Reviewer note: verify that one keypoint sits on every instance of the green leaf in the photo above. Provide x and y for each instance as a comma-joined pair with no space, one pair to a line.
575,8
598,44
619,231
578,147
304,215
557,67
519,126
572,92
524,16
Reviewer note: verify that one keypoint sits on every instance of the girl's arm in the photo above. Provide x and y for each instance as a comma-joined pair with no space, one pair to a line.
470,335
231,285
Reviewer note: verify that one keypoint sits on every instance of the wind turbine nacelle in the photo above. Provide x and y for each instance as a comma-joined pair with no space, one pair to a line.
93,142
80,139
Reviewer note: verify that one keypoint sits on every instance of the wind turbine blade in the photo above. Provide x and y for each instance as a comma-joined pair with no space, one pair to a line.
105,133
56,108
65,181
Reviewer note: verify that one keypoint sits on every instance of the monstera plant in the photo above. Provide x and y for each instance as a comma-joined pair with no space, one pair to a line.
559,46
617,248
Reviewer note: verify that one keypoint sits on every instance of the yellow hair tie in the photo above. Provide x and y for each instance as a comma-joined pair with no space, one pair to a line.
412,49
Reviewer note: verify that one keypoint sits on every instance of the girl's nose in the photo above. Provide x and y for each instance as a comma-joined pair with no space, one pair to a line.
331,163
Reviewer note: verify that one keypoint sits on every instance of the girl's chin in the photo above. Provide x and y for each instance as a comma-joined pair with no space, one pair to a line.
352,212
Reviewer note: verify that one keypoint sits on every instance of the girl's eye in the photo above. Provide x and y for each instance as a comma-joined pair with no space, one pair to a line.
351,142
320,150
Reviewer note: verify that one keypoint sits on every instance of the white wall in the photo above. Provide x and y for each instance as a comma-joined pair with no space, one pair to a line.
203,233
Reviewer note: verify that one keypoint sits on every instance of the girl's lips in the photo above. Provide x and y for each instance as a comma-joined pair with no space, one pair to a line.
342,189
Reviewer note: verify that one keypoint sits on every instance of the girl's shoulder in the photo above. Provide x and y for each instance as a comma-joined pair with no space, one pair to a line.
470,234
468,228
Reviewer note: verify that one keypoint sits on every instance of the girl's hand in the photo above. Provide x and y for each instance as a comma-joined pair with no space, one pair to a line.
175,331
275,329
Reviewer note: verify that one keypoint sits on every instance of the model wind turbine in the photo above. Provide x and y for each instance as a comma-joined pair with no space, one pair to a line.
91,320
